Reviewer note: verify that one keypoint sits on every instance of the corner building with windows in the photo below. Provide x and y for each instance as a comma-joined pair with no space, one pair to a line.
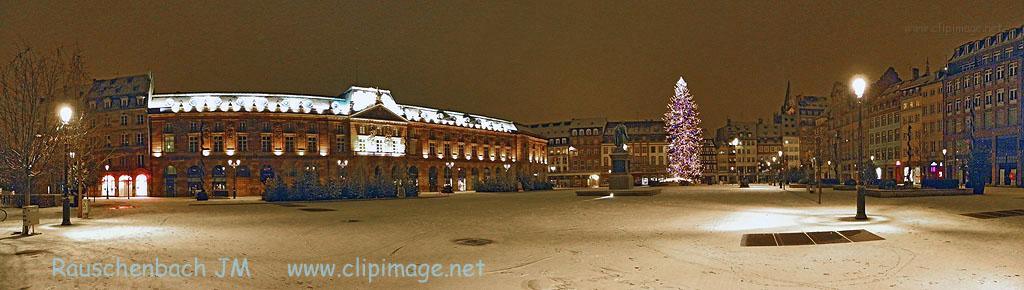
197,138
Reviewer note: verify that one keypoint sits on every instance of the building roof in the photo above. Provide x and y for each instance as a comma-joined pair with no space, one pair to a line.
135,85
353,100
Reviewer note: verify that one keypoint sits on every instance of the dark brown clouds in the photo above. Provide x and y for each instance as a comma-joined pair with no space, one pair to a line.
526,61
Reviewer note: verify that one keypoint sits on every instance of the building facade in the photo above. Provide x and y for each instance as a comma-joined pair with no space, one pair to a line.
884,139
982,106
120,104
177,144
708,159
579,150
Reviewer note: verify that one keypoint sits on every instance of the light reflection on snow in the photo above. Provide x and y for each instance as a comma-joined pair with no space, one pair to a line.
754,219
120,232
766,219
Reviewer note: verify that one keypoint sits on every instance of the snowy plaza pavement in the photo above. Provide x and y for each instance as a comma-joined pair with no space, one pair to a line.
684,238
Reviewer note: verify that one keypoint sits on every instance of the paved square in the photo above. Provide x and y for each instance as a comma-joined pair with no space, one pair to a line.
683,238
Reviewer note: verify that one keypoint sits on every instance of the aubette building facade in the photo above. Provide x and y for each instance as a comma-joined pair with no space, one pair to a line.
222,142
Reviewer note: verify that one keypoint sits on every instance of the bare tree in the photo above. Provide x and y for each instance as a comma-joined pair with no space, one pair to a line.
33,85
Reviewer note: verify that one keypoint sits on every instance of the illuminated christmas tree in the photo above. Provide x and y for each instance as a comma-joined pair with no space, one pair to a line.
682,124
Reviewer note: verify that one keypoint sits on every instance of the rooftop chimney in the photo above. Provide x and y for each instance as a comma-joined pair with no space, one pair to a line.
916,72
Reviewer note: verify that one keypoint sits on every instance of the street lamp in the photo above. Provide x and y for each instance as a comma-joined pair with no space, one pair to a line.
734,143
65,114
859,85
568,159
234,166
944,172
507,166
450,164
341,168
782,167
106,192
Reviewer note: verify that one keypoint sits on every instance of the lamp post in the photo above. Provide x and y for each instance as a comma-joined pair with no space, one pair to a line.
859,85
735,143
782,168
234,166
775,159
341,170
106,192
65,114
944,171
449,165
572,178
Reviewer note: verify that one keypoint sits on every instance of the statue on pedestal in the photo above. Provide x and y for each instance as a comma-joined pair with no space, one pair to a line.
620,177
621,137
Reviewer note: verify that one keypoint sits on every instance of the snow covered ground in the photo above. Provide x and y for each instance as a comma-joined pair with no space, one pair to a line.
684,238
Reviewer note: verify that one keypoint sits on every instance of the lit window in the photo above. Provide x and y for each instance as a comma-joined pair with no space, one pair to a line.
168,143
242,143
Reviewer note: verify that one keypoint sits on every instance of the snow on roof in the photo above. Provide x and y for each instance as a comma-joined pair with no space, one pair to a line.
136,85
352,101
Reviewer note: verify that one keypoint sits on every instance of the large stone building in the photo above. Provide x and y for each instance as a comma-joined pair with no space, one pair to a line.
708,158
884,138
982,99
120,104
842,124
579,150
921,121
737,142
176,144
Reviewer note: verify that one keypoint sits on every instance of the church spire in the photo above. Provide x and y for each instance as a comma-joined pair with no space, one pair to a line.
785,102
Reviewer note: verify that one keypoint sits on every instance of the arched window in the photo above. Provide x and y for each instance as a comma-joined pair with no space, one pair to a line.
219,181
414,174
141,185
396,173
266,173
218,171
195,171
124,185
432,178
109,185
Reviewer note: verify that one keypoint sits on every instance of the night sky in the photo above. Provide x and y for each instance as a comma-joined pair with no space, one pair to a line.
525,61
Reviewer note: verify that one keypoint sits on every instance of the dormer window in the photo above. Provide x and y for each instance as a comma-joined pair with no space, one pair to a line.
124,102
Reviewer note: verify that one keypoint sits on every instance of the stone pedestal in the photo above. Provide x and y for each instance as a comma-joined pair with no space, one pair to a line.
620,183
620,177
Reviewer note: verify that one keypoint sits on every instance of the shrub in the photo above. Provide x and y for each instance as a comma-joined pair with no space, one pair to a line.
530,183
940,183
544,185
887,184
497,184
276,190
308,187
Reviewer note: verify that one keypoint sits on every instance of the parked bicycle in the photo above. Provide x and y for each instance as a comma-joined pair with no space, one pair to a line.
3,215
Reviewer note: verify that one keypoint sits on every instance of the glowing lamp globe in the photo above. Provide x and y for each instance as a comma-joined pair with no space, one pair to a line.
65,114
859,85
